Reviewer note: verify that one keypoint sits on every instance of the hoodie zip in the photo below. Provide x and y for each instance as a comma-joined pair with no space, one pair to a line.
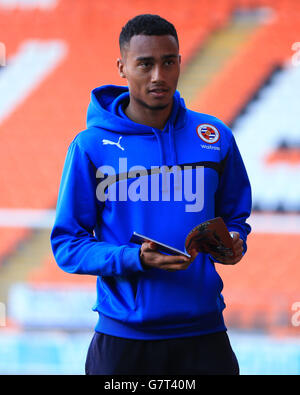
169,131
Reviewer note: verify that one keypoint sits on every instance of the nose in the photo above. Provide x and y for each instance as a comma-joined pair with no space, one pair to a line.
157,74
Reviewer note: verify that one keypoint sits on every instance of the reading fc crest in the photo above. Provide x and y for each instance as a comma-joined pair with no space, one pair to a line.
208,133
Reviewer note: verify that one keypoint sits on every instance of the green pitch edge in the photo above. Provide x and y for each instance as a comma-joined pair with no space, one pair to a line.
220,47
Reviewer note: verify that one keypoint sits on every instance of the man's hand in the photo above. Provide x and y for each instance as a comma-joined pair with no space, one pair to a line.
150,257
237,248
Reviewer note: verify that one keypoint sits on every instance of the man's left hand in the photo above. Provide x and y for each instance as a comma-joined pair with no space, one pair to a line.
237,248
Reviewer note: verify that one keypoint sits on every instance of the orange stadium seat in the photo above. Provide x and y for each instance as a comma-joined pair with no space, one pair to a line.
269,47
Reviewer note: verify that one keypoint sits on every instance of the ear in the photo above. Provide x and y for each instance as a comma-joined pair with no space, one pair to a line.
120,65
179,59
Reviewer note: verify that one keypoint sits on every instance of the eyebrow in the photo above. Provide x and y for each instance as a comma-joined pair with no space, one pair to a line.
151,58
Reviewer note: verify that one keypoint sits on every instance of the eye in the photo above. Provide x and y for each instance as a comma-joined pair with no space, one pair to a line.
145,65
169,62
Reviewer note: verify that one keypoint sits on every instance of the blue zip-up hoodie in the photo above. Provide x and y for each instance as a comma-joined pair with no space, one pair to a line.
120,176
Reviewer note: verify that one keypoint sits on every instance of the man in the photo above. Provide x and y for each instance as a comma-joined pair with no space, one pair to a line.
148,164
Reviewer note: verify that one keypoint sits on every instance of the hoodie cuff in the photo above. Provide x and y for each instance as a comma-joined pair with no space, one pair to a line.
131,257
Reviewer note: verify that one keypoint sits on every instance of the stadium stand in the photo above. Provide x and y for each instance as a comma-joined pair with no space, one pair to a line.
268,48
49,272
34,138
9,237
261,290
35,135
268,133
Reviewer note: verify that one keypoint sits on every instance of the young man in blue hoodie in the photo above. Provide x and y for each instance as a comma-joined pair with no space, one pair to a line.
146,163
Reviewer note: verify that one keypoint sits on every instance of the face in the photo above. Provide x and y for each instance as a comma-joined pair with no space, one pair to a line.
151,65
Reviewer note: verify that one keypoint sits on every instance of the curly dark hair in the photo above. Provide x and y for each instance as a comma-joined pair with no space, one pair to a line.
148,25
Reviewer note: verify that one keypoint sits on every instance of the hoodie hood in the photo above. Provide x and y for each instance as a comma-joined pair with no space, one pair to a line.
104,111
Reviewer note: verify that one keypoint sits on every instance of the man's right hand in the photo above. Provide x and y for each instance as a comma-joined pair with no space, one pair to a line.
150,257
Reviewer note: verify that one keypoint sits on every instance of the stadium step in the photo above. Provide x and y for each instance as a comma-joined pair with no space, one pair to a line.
27,257
213,55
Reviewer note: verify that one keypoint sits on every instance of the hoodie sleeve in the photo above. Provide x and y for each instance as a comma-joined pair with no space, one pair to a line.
233,196
74,246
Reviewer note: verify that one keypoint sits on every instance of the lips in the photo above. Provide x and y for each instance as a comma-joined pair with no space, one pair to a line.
158,92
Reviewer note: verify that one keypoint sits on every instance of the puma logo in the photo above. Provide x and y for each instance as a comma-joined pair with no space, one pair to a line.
106,142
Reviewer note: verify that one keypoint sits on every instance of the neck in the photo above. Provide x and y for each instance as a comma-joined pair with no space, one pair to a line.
153,117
